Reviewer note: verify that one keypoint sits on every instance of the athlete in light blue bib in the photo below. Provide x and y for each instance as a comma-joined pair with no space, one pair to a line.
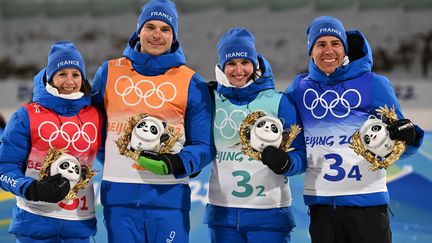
250,200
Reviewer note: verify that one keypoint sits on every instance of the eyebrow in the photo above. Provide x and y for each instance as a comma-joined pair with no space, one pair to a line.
332,41
153,25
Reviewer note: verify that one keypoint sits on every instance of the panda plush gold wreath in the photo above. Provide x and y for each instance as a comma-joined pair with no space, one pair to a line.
59,161
146,133
372,141
258,130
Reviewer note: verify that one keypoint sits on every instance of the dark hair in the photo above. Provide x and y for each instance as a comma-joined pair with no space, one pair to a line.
256,75
2,122
86,87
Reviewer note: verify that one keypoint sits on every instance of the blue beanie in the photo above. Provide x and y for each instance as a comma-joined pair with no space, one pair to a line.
237,43
163,10
64,54
326,25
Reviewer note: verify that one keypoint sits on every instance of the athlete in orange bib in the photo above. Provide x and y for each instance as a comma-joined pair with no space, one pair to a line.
149,200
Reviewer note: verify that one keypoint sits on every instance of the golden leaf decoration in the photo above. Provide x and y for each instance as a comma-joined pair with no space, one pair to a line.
52,155
398,148
124,140
250,121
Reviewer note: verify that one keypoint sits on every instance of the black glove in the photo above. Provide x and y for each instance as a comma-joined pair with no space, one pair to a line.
52,189
193,175
161,164
276,159
212,85
403,130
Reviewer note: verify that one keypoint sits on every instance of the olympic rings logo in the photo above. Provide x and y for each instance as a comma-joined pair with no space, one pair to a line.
228,127
133,94
320,106
59,135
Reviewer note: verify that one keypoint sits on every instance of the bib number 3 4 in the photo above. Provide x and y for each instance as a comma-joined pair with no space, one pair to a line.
353,173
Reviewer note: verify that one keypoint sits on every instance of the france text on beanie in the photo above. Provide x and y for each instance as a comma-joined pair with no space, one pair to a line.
163,10
64,54
326,25
237,43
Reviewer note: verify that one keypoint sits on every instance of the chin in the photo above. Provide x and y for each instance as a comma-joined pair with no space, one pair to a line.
328,70
155,52
68,92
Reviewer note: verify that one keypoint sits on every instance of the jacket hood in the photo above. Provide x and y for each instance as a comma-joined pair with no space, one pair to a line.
149,65
250,92
360,57
61,106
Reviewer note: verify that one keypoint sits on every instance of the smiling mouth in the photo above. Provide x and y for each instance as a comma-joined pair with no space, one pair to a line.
238,77
329,60
156,44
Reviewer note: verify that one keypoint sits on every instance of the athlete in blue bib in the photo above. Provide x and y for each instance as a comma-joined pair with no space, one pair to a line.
347,201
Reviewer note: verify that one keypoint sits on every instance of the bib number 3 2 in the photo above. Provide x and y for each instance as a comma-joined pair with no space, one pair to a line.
248,189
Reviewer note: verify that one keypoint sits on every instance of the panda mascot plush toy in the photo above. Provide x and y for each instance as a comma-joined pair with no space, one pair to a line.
69,167
266,131
375,137
148,134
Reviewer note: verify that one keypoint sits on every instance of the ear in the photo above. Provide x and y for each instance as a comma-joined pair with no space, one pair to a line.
282,121
248,134
164,137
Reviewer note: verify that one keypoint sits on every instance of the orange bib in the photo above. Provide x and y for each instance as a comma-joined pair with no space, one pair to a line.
129,93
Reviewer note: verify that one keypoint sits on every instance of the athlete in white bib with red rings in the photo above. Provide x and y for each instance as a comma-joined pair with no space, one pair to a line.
60,117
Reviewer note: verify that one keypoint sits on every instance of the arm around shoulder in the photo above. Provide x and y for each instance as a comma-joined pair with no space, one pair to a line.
288,113
199,148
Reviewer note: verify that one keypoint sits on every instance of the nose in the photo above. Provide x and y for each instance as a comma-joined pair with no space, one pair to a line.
238,67
156,33
328,48
70,77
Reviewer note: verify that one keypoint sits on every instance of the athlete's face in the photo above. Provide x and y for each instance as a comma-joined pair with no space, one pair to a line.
156,37
68,80
328,53
238,71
